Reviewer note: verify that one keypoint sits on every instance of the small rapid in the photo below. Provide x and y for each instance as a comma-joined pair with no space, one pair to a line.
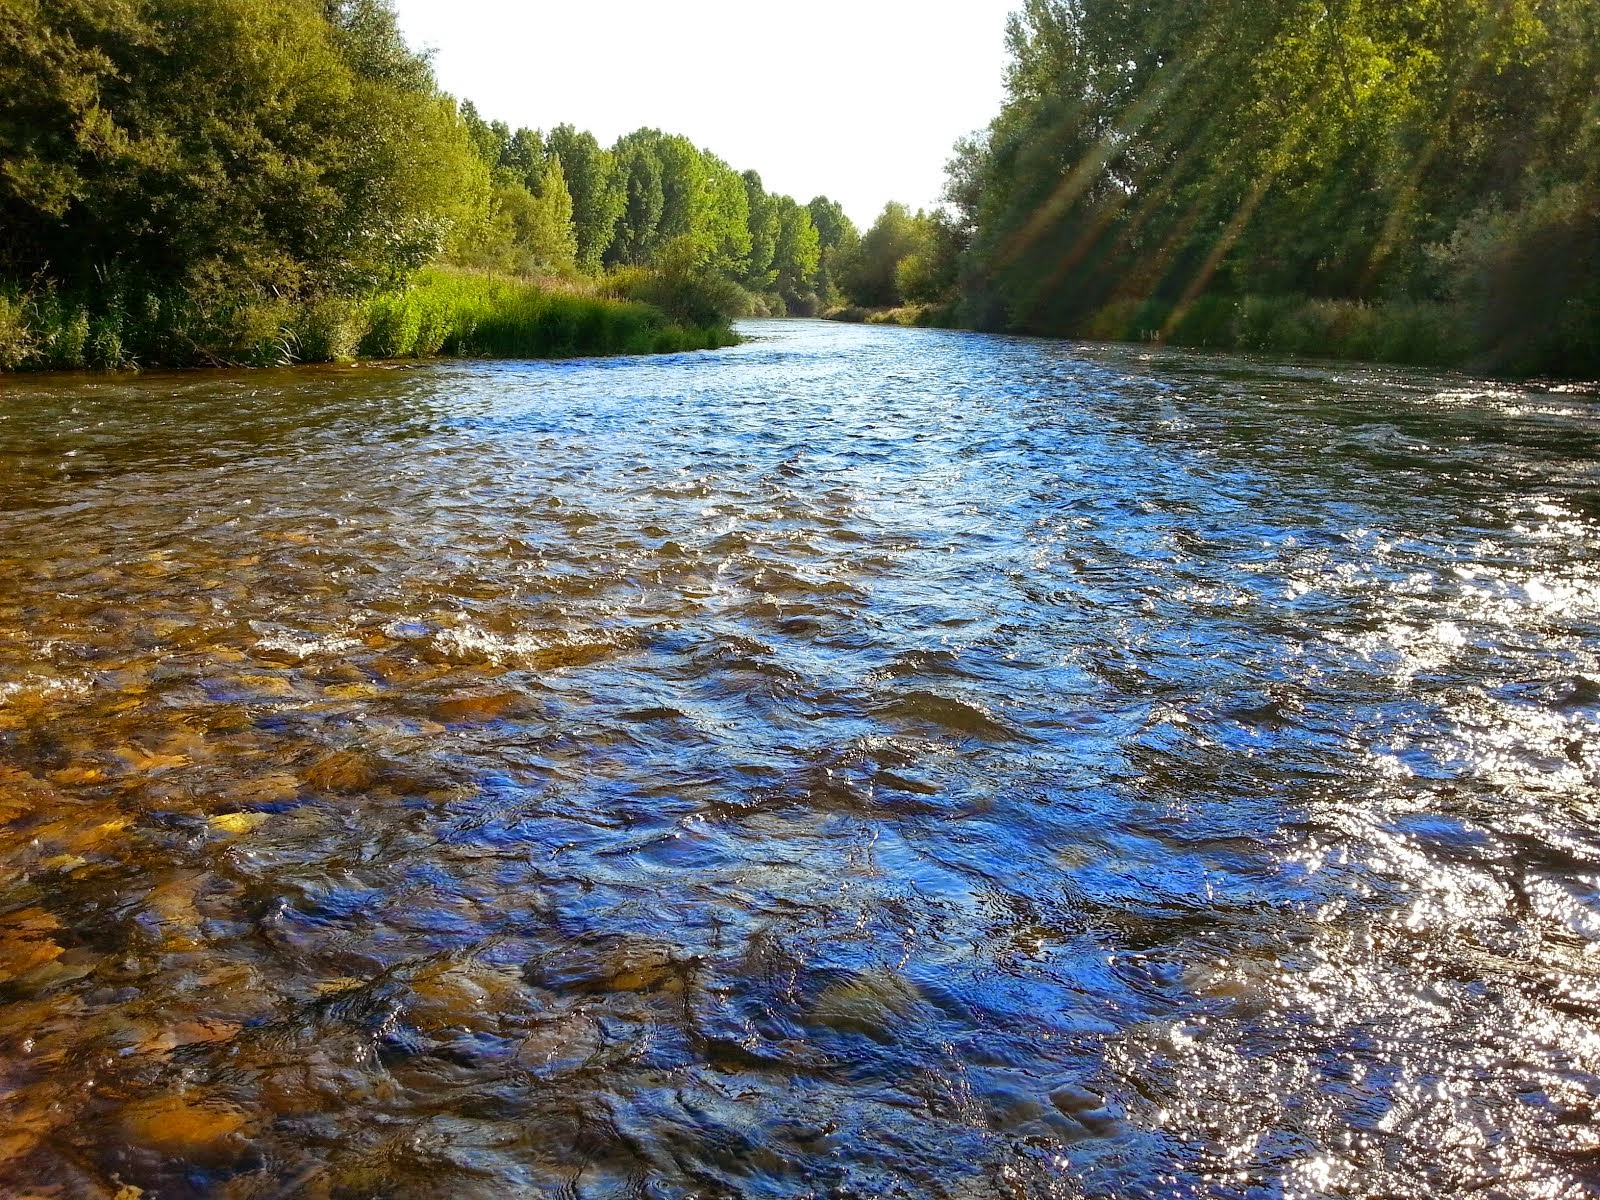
861,762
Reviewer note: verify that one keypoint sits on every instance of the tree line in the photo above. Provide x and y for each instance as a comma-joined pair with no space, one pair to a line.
561,202
208,180
1417,180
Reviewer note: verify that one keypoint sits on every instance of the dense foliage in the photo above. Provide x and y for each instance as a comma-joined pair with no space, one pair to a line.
654,200
1416,180
294,145
195,181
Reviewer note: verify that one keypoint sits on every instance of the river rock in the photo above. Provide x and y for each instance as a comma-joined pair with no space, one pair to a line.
187,1126
871,1003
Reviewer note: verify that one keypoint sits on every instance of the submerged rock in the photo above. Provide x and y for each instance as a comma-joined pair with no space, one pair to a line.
188,1126
609,963
344,773
870,1003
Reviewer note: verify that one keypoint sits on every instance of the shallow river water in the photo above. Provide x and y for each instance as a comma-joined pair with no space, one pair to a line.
860,763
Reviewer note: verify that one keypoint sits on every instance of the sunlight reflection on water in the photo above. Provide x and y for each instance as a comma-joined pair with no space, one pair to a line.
861,762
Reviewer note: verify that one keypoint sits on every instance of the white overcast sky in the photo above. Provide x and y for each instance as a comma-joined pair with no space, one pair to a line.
859,100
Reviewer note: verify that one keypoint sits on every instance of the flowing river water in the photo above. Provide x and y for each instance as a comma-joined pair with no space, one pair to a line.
860,763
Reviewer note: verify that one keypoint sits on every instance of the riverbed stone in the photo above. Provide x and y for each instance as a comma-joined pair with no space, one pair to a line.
187,1125
872,1003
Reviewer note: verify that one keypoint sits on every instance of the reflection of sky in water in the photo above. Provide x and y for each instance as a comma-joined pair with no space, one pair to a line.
861,762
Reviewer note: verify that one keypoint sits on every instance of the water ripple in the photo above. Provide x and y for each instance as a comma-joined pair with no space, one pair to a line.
861,762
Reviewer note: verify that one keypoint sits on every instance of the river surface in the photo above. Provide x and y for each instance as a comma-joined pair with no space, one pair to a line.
859,763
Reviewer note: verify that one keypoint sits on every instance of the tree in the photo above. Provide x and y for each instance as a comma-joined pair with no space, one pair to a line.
796,257
762,218
838,237
550,237
1159,155
638,226
872,274
725,225
523,158
223,144
597,190
489,139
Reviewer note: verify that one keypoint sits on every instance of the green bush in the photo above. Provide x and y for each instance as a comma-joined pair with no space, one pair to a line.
260,333
1528,276
1421,334
16,342
63,331
327,330
686,293
393,323
434,323
1206,322
106,349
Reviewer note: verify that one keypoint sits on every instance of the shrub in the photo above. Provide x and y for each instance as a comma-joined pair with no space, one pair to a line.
106,349
327,330
393,323
693,296
1528,277
1206,322
16,343
1114,323
63,335
258,332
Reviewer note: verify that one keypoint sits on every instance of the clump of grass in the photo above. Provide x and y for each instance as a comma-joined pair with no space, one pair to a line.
16,339
486,316
57,331
920,316
392,326
327,330
442,312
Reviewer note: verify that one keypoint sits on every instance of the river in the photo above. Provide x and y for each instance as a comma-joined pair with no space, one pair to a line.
860,763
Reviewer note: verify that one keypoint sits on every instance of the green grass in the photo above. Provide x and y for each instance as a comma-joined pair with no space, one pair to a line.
923,316
1415,333
486,316
441,312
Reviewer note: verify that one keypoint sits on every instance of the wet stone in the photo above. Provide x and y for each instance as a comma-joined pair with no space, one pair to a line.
345,773
608,964
188,1125
476,709
873,1003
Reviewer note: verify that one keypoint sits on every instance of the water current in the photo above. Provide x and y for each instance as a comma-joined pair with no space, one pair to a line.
859,763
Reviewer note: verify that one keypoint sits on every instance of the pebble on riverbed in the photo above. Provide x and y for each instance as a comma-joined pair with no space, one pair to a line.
188,1126
607,964
870,1003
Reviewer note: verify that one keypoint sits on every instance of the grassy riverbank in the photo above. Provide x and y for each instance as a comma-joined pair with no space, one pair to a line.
923,316
441,313
1410,333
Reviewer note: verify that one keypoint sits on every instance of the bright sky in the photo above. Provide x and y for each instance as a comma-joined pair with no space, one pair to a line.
861,100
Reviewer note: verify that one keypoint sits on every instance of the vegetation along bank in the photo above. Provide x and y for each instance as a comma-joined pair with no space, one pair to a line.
187,182
203,182
1413,182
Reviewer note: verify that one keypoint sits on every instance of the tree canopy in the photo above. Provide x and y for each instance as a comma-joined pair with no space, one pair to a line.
1166,154
301,148
284,143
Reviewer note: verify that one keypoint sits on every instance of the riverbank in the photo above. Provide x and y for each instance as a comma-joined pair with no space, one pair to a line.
921,316
442,313
1400,332
1409,333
